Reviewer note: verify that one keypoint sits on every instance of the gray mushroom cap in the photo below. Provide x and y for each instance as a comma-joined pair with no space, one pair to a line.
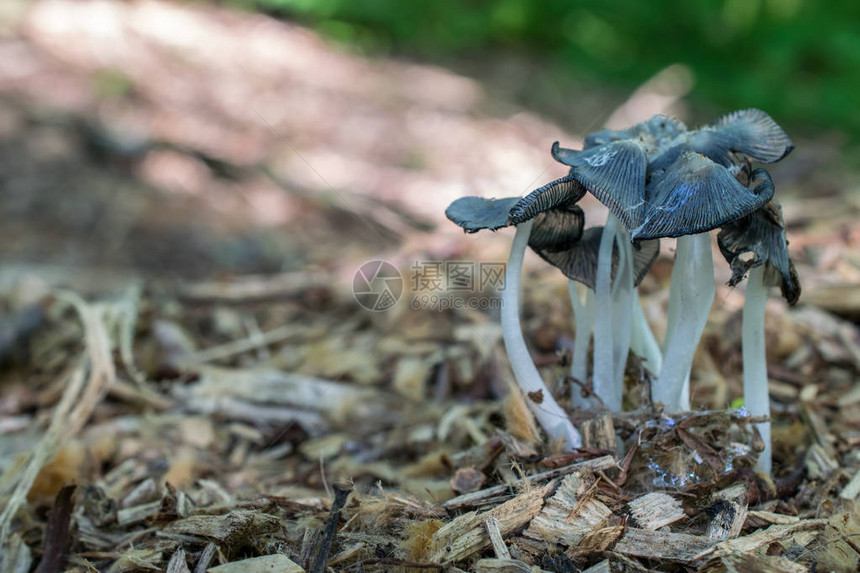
696,195
558,235
654,131
663,181
762,235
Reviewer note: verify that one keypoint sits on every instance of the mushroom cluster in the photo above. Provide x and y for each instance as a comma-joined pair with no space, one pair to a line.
658,179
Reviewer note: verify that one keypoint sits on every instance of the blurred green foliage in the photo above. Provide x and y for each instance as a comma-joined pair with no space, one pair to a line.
797,59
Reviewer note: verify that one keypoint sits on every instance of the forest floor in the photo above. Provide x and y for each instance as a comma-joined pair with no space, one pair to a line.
188,381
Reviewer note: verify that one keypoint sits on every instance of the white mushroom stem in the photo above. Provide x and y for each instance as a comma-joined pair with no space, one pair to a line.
691,294
551,417
756,397
622,309
643,341
604,359
583,315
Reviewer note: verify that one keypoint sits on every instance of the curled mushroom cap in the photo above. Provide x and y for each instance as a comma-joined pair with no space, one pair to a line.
661,180
558,233
749,131
474,214
654,131
695,195
762,235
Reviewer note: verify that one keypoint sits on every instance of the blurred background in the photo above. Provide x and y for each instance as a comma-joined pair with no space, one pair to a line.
196,140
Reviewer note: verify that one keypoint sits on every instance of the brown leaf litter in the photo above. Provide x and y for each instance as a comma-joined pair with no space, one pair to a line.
209,460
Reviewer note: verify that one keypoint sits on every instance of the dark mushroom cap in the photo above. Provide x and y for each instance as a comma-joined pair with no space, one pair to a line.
654,131
614,173
559,193
695,195
762,234
749,131
663,181
557,234
474,214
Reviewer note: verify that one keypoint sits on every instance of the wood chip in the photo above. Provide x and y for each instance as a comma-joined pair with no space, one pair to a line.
747,562
503,566
598,541
676,547
466,535
655,510
569,515
491,494
277,563
852,488
756,518
177,563
137,513
599,433
763,538
495,533
206,557
599,567
727,521
235,527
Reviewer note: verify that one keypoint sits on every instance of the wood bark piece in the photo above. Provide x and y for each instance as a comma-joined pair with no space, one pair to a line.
138,560
759,519
655,510
177,563
206,557
727,521
495,533
340,496
569,515
137,513
504,566
277,563
675,547
598,541
495,493
599,567
762,538
599,433
267,395
254,288
238,526
57,532
852,488
466,535
743,563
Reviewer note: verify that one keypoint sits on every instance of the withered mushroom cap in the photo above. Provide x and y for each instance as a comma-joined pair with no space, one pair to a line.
474,214
749,131
558,193
762,234
695,195
557,235
661,180
653,131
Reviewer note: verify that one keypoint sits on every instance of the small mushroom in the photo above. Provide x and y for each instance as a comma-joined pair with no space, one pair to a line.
562,220
761,235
